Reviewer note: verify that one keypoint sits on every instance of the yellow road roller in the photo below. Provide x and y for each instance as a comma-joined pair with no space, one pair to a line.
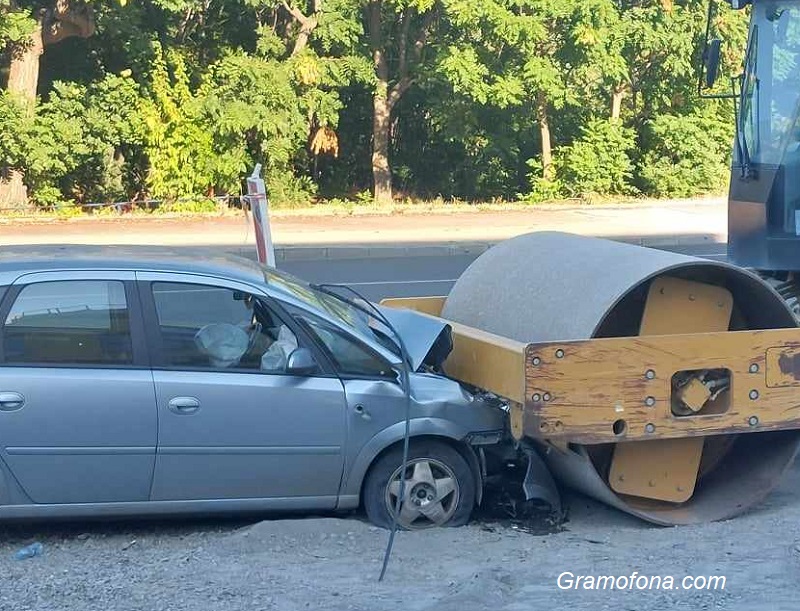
665,385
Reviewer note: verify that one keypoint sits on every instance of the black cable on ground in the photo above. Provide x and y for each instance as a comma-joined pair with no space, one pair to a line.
405,376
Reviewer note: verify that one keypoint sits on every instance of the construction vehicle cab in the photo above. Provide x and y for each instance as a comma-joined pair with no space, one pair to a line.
764,201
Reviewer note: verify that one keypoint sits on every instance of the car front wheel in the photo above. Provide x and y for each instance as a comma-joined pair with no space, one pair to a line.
439,487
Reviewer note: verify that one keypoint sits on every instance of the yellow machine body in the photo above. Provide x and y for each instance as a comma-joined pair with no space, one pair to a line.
577,391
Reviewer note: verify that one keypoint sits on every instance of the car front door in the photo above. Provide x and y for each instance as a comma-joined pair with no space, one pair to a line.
77,407
373,394
233,424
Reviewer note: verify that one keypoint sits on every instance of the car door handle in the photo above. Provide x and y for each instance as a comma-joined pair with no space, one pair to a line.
11,401
184,405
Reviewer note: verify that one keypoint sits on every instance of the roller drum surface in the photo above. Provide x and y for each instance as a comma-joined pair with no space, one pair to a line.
551,286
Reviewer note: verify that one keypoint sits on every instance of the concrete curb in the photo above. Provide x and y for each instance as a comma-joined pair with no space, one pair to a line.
374,251
292,252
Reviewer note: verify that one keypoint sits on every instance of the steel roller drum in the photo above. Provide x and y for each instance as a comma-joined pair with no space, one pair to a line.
552,286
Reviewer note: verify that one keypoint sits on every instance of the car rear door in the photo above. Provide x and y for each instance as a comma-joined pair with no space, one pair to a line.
77,405
236,427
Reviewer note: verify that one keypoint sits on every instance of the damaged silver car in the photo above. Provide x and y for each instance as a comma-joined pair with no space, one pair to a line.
139,382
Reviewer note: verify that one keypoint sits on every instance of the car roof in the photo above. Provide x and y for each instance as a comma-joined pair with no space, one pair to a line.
66,257
18,260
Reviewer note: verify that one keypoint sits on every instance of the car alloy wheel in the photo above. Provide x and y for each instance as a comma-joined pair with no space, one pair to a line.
430,497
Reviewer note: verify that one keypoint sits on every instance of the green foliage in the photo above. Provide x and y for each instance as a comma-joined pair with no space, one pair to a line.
50,198
13,125
67,210
541,189
172,99
15,25
198,206
599,161
256,111
179,146
686,155
289,191
72,149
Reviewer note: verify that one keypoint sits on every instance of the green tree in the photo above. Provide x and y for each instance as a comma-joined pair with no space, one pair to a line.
598,162
476,99
398,31
27,29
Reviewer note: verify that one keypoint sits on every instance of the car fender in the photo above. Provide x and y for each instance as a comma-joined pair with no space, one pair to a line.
430,427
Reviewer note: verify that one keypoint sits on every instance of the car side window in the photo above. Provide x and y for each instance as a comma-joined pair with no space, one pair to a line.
80,322
211,327
350,356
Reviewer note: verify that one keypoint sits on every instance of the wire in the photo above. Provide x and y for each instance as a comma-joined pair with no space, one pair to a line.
406,381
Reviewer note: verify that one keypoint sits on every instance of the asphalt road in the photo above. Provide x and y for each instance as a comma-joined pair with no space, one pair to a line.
377,278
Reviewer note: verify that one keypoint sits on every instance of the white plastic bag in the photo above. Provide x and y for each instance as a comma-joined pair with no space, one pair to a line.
224,344
277,355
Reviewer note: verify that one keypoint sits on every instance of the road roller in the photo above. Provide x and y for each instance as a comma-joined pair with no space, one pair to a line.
665,385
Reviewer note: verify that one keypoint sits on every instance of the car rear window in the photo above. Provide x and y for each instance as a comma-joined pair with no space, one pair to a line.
76,322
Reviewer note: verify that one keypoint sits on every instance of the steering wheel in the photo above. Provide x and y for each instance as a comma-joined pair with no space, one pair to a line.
254,332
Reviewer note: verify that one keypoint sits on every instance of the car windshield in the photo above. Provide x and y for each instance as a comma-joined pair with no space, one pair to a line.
340,309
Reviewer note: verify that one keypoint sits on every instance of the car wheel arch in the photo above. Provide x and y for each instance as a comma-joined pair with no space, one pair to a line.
356,468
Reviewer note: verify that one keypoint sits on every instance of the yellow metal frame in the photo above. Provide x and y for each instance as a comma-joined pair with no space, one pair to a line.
478,358
595,383
425,305
599,382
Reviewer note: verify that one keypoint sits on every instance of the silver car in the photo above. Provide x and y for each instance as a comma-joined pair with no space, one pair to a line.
139,382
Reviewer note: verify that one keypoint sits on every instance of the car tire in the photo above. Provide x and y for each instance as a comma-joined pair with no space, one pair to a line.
440,487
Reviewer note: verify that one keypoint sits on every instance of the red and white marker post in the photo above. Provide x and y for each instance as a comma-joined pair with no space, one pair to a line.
259,205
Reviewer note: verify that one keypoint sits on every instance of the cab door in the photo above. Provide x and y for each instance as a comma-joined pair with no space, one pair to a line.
77,405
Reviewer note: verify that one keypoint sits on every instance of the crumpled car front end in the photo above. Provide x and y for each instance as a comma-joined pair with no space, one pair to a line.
485,418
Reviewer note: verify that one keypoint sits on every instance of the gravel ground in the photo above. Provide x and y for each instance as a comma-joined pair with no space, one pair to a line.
333,563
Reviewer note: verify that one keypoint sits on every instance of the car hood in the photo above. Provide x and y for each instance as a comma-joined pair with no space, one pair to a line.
428,340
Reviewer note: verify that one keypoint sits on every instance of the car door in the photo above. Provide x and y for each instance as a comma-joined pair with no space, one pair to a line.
232,423
77,405
374,397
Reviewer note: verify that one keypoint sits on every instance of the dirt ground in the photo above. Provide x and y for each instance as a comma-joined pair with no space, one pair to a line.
334,563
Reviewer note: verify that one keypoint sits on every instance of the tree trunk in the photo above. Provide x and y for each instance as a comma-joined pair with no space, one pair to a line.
23,76
616,102
307,23
23,80
381,110
13,192
307,26
544,131
381,130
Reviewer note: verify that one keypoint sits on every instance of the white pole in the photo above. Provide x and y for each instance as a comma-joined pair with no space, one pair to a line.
259,205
